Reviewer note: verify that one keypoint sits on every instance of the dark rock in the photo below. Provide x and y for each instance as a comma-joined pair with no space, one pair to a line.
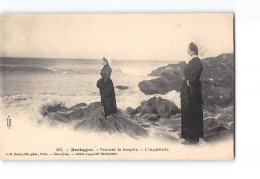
214,68
213,95
177,115
163,108
147,119
160,85
146,116
131,111
50,108
170,70
172,130
213,124
76,111
57,118
20,99
139,109
80,105
214,129
75,114
214,132
218,67
151,118
207,121
137,115
226,117
206,113
122,87
227,111
92,118
217,80
223,125
145,126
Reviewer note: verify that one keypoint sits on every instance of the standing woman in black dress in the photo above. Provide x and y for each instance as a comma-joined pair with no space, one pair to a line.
191,99
106,88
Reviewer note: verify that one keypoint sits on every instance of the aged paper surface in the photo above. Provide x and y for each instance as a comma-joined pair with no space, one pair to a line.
109,86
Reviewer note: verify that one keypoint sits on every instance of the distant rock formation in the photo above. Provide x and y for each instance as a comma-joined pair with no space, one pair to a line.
217,80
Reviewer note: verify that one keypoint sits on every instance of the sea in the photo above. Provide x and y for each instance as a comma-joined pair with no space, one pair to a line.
26,84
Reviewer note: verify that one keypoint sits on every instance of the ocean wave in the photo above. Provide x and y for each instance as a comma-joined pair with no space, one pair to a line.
25,69
35,69
76,71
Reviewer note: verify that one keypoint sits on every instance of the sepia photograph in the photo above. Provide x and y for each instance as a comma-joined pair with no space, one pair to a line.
117,86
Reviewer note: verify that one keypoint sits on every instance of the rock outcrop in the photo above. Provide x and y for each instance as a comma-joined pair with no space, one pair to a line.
163,108
91,118
155,114
217,80
160,85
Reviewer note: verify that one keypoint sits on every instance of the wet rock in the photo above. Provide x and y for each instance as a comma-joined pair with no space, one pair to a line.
131,111
218,67
160,85
206,113
222,125
213,95
145,126
156,105
207,121
51,108
172,130
153,119
177,115
80,105
92,118
227,111
214,132
226,117
137,115
75,114
122,87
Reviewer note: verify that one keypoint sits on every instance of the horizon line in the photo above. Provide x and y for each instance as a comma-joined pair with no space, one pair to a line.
100,58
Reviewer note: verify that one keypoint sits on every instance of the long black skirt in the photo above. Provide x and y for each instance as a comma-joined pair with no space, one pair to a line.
107,93
191,111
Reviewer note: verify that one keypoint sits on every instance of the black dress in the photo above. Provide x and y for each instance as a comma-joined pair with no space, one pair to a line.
107,92
191,101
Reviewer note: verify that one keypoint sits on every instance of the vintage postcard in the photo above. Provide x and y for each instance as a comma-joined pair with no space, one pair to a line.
130,86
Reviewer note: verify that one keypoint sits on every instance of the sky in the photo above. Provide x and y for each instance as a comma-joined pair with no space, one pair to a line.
144,36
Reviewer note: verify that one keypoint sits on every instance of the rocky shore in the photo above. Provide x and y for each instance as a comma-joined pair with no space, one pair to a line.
217,81
158,117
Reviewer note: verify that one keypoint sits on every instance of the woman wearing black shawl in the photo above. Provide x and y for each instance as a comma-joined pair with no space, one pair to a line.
106,89
191,99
